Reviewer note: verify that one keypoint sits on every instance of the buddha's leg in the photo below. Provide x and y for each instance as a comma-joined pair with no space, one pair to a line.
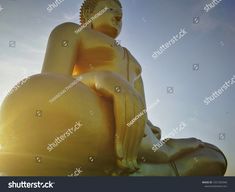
29,123
205,160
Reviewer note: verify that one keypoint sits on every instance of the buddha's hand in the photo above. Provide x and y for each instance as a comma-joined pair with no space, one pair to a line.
129,112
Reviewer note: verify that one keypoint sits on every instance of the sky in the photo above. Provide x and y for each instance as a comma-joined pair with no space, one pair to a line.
209,45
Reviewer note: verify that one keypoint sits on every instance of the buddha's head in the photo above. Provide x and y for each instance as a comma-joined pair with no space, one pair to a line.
110,22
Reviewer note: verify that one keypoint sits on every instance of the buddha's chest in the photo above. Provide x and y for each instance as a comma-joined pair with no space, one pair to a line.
102,54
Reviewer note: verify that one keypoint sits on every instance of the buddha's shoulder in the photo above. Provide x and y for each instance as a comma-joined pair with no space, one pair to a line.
66,27
69,27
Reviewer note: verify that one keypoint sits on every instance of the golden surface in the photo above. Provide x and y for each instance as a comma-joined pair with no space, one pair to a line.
109,96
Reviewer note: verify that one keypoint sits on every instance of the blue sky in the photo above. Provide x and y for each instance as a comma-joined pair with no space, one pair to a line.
146,26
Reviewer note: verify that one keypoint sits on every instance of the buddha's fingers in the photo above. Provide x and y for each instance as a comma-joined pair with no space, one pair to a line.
120,122
132,147
135,131
139,132
129,138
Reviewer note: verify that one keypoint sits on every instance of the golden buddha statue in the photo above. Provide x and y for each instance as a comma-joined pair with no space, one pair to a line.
106,94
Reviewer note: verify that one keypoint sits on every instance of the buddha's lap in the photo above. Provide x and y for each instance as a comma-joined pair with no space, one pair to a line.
205,161
27,134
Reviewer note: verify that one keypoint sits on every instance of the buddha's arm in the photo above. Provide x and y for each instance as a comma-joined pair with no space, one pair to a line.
139,86
127,104
62,49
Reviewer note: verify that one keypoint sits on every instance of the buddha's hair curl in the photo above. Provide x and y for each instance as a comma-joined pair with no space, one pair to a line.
88,7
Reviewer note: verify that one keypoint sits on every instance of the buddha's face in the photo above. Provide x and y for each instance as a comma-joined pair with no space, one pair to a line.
109,23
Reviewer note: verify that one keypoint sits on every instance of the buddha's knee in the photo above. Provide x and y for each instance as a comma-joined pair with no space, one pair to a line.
206,161
30,123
